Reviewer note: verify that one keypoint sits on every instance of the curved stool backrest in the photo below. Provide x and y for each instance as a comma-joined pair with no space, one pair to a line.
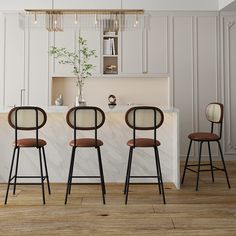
144,118
214,114
85,118
27,118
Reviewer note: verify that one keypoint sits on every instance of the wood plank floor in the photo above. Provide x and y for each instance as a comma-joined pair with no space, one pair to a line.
210,211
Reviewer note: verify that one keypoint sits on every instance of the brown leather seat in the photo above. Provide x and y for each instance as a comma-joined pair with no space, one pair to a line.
143,142
86,142
204,136
30,142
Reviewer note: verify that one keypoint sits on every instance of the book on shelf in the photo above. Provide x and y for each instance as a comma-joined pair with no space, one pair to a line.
109,46
113,46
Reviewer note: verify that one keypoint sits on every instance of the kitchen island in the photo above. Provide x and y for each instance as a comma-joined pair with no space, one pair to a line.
114,133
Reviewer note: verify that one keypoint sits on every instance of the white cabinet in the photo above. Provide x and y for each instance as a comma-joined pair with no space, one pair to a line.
14,60
38,61
131,52
93,38
69,39
157,45
146,50
66,39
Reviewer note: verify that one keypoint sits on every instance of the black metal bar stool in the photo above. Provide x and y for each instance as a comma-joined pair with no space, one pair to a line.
144,118
28,118
214,114
85,118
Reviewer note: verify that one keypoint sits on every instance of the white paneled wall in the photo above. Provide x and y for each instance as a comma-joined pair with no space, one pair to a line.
195,71
183,75
2,59
228,76
183,46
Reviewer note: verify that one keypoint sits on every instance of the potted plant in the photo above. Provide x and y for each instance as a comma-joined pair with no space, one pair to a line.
79,60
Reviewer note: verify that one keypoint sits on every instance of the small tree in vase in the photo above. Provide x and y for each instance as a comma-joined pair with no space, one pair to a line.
79,60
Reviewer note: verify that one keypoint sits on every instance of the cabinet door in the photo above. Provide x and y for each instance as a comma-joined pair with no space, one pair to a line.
14,59
131,52
65,39
93,38
38,67
157,45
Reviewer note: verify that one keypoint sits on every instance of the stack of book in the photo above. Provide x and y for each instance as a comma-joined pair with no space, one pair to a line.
109,46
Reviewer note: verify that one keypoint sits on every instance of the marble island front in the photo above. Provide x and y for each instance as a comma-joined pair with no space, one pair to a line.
114,133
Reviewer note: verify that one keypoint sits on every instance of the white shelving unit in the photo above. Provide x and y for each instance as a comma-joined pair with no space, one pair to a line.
110,53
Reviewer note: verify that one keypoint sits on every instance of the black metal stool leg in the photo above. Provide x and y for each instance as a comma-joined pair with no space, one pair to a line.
72,168
101,175
212,172
103,181
16,170
70,173
222,158
9,179
199,164
159,167
128,176
46,170
186,162
158,172
42,177
128,167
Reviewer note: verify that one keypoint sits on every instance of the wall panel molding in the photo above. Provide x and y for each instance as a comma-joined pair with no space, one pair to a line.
229,142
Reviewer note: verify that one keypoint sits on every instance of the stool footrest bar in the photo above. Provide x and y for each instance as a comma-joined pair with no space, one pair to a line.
85,177
137,176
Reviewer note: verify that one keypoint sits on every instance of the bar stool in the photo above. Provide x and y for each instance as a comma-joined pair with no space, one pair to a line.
85,118
28,118
214,114
144,118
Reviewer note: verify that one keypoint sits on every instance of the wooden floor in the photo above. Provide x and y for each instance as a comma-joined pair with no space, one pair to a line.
211,211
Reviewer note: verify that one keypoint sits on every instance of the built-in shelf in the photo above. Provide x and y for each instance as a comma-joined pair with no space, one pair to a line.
110,53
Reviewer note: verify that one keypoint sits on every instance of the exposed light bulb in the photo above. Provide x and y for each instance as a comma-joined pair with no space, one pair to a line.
35,18
76,19
136,20
96,20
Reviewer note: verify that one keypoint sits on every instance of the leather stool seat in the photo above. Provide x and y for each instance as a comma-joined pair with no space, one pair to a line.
30,142
143,142
86,142
204,136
